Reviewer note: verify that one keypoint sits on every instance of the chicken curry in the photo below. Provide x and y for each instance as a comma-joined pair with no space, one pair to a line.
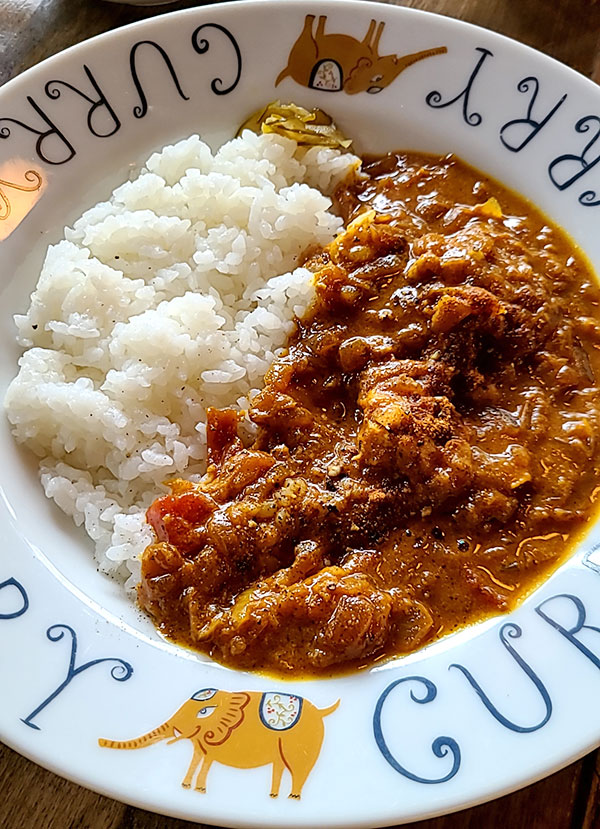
425,453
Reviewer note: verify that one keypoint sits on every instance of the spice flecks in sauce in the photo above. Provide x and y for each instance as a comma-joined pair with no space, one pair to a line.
426,451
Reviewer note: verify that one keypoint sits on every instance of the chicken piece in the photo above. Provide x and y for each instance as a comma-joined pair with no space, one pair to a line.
458,304
368,251
430,377
484,506
355,352
409,431
369,245
340,615
283,415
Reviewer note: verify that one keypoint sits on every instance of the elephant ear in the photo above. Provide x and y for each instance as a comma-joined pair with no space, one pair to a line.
358,71
229,714
363,63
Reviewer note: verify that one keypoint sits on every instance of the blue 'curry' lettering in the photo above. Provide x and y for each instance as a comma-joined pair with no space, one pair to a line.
514,631
121,670
52,146
17,602
141,109
570,632
440,746
524,130
473,119
568,168
100,107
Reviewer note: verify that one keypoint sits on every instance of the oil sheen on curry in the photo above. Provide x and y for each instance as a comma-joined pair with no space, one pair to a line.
426,451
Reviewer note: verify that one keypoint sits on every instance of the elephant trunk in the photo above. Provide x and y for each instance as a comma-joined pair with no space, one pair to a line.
164,730
408,60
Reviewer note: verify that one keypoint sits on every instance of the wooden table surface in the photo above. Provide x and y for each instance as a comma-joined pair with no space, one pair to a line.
31,30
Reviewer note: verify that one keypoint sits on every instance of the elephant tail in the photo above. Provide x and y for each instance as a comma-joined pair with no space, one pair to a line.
154,736
283,74
325,712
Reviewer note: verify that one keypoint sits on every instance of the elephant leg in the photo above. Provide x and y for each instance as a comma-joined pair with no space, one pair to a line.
302,55
299,777
278,767
320,27
300,757
195,762
202,775
378,34
367,38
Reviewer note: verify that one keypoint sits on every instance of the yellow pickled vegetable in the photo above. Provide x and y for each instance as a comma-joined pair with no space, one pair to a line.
307,127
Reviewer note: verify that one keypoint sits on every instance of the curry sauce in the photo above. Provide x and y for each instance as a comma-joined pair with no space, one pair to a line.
426,452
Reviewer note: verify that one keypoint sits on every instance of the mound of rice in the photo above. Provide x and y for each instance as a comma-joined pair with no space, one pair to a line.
174,295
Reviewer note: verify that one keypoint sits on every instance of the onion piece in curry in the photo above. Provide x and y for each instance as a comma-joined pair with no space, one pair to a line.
427,449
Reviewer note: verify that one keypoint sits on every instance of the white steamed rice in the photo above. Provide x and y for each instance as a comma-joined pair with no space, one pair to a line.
174,295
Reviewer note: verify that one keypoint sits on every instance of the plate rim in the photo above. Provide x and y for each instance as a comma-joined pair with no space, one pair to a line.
233,7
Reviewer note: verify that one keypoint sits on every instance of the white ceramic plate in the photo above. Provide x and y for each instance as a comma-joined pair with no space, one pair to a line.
470,718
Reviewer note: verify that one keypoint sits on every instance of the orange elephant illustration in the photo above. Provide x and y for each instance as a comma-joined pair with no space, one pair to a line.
335,62
245,730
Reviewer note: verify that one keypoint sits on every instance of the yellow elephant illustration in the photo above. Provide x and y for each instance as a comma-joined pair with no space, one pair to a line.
336,62
243,729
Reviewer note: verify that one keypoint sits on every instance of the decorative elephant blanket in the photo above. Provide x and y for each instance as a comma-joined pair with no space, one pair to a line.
280,711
